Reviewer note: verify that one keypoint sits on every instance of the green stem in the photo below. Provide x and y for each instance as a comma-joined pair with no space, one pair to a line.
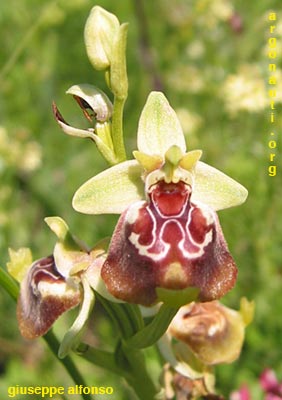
67,362
9,284
117,129
126,317
101,358
129,362
137,375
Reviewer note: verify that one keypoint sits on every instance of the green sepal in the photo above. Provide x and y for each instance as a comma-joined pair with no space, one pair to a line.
159,127
73,336
111,191
152,332
177,298
216,189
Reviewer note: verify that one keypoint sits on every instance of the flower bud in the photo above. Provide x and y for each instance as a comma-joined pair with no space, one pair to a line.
213,332
99,34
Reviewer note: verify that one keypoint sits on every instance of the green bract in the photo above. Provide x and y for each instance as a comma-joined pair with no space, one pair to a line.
161,151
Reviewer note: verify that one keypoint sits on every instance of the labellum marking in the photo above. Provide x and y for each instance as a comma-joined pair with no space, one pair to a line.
162,225
44,296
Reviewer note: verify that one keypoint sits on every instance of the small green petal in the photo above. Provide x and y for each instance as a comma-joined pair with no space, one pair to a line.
58,226
20,261
111,191
159,127
190,159
61,230
149,163
216,189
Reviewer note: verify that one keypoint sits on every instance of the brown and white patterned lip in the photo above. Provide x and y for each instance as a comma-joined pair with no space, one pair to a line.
44,296
168,242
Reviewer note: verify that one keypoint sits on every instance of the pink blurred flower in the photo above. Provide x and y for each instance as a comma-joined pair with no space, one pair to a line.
242,394
270,384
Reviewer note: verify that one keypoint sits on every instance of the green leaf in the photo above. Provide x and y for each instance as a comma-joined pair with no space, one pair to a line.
111,191
159,127
154,330
126,317
216,189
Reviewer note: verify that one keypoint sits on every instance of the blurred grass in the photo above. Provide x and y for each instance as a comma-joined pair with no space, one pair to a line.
194,49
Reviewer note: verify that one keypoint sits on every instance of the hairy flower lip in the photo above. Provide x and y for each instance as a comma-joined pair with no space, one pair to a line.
59,282
44,296
169,242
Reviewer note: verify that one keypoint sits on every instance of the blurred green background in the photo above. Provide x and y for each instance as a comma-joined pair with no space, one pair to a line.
210,57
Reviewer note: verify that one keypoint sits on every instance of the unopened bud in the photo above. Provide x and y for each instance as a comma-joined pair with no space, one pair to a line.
100,30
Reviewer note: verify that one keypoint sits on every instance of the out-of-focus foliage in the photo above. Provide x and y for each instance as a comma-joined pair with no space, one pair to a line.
210,59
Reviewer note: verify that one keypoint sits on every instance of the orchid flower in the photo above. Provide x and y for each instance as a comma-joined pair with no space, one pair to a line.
57,283
168,237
